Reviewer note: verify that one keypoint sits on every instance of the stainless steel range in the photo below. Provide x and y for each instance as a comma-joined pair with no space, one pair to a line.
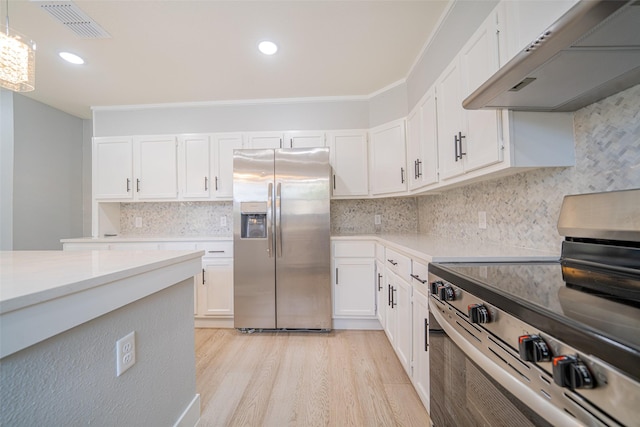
555,343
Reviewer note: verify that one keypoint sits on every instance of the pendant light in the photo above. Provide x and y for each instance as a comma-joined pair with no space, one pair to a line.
17,60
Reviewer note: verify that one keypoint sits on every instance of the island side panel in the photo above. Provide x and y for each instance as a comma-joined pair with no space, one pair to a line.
70,379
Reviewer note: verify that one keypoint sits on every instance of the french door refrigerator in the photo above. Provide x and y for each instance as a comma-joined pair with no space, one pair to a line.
281,232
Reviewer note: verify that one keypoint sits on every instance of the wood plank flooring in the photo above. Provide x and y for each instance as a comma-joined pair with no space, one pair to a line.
341,378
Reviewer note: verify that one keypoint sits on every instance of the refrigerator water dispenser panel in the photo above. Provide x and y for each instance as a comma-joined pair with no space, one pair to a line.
253,217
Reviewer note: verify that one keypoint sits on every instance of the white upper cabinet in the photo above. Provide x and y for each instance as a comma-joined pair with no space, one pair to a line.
528,19
348,153
388,158
468,140
112,168
257,140
155,167
422,143
195,178
222,146
304,139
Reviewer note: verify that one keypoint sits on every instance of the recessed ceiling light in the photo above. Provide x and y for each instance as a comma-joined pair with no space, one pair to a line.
72,58
267,47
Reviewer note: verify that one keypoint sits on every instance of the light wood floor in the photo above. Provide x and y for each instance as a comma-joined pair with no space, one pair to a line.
341,378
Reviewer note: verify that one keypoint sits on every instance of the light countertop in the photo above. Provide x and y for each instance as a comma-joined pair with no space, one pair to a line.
43,293
439,249
131,239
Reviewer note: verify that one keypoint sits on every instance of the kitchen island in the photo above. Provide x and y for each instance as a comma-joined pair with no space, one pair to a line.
61,314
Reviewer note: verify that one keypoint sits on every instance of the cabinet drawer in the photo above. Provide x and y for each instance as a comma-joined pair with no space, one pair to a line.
399,264
85,246
356,249
134,246
178,246
419,277
222,249
379,252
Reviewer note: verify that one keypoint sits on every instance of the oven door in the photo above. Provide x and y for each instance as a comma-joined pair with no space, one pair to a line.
464,390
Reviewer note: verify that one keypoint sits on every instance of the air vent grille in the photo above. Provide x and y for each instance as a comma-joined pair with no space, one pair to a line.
72,17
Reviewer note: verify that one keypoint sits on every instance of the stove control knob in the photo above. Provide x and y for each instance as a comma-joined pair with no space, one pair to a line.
478,313
532,348
435,285
446,293
570,372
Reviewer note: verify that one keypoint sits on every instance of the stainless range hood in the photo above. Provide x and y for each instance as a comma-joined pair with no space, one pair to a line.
591,52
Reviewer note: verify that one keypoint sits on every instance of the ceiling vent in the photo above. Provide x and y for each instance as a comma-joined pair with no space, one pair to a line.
72,17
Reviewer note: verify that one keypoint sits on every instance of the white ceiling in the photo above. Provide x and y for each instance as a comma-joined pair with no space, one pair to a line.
193,51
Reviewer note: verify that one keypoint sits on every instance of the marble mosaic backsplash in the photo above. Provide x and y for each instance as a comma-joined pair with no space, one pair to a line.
522,210
397,215
176,219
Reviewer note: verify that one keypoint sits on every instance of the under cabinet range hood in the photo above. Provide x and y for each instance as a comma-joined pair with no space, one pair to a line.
591,52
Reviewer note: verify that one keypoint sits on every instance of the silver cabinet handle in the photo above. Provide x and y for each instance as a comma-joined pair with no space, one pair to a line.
128,185
138,185
206,183
216,252
402,175
393,297
415,276
392,262
278,220
337,276
216,183
269,219
203,276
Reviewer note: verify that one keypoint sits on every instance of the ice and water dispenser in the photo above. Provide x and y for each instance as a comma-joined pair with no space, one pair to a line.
253,220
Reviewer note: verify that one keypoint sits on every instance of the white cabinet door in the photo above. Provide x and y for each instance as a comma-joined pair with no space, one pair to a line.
353,290
422,143
420,346
391,316
404,331
112,168
155,167
194,167
381,295
450,121
388,158
222,146
303,139
264,140
215,287
479,60
348,152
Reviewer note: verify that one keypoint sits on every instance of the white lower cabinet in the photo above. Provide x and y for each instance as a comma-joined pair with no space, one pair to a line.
215,288
353,279
398,310
420,376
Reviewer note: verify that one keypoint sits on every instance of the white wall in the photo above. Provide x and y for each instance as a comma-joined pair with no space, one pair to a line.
6,170
47,175
70,379
387,105
302,114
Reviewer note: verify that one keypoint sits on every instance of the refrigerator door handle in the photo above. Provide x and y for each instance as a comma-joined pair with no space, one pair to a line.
269,220
278,221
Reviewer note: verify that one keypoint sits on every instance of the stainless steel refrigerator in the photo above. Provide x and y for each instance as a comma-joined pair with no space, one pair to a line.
281,236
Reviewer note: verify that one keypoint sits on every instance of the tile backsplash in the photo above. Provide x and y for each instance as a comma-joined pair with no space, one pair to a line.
176,219
521,210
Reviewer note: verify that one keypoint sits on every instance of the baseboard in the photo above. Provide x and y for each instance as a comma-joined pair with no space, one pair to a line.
191,416
357,324
207,322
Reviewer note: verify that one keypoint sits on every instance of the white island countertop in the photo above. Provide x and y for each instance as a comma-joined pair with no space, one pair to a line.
440,249
43,293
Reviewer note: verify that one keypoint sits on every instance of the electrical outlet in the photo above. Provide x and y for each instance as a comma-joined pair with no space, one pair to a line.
138,222
482,220
377,220
223,221
125,353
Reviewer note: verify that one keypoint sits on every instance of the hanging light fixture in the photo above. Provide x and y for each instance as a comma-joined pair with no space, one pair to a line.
17,60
